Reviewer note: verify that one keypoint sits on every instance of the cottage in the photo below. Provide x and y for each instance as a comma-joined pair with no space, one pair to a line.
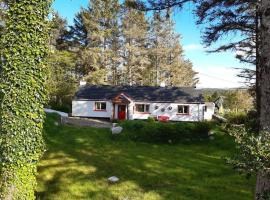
141,102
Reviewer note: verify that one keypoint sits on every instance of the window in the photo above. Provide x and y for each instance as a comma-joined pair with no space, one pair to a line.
205,108
142,108
183,110
100,106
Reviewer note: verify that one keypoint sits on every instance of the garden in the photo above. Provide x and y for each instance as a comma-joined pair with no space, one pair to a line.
79,161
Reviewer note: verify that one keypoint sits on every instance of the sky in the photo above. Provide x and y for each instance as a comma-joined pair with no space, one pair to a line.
215,70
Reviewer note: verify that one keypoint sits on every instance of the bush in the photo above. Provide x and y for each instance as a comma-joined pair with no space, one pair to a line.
236,118
62,108
156,132
151,119
252,121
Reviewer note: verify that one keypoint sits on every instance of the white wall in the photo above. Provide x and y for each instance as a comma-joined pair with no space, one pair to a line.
196,112
87,109
208,115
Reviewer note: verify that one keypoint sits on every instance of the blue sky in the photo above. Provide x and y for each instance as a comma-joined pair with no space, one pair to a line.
215,70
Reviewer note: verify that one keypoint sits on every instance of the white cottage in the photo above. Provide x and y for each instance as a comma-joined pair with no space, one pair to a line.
141,102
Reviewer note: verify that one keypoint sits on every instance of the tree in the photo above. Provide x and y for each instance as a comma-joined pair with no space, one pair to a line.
160,35
166,55
61,64
135,57
78,32
238,100
121,47
22,96
221,18
58,30
95,32
62,80
263,180
251,19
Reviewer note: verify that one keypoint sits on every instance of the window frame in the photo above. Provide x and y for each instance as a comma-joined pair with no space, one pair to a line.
183,109
100,103
145,111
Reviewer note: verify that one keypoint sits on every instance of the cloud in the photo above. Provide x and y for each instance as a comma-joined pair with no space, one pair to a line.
193,47
218,77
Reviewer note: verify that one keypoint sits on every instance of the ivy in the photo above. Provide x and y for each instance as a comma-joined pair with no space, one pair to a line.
23,75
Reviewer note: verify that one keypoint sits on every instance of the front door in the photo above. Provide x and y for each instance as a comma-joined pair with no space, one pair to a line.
121,112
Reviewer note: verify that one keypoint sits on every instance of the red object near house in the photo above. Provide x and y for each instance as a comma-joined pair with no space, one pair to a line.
163,118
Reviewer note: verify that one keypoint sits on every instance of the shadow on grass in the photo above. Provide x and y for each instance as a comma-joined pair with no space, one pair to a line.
79,161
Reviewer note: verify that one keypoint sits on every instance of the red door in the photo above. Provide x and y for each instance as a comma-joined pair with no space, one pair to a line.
121,112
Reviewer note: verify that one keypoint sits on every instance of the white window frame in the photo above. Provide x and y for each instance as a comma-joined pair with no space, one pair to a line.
98,106
144,108
183,110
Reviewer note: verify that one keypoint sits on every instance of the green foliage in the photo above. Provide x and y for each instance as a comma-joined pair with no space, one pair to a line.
157,132
236,118
121,46
95,34
248,120
79,161
151,119
62,83
239,100
253,150
135,38
59,34
23,94
167,62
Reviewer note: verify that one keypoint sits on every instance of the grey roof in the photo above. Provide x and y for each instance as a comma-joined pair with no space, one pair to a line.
141,93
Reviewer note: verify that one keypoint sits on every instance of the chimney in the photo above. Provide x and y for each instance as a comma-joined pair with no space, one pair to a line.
82,83
162,84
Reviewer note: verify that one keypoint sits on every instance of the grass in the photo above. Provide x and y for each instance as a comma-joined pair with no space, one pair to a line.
79,161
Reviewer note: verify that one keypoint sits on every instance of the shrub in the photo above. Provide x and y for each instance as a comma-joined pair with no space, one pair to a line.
151,119
156,132
63,108
236,118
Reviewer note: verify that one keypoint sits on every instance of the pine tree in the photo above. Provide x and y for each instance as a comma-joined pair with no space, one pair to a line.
59,34
159,38
115,55
167,61
134,53
78,32
263,178
96,30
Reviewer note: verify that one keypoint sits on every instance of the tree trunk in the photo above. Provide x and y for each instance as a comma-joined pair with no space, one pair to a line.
263,178
262,186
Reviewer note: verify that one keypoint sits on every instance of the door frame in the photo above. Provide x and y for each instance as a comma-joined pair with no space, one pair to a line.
126,113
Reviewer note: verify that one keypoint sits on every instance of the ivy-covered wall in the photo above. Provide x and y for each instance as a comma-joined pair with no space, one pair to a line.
22,95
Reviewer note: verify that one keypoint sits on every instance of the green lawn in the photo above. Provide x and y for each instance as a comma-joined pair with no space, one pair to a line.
79,161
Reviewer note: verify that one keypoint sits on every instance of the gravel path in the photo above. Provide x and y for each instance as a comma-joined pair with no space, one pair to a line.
83,122
86,122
